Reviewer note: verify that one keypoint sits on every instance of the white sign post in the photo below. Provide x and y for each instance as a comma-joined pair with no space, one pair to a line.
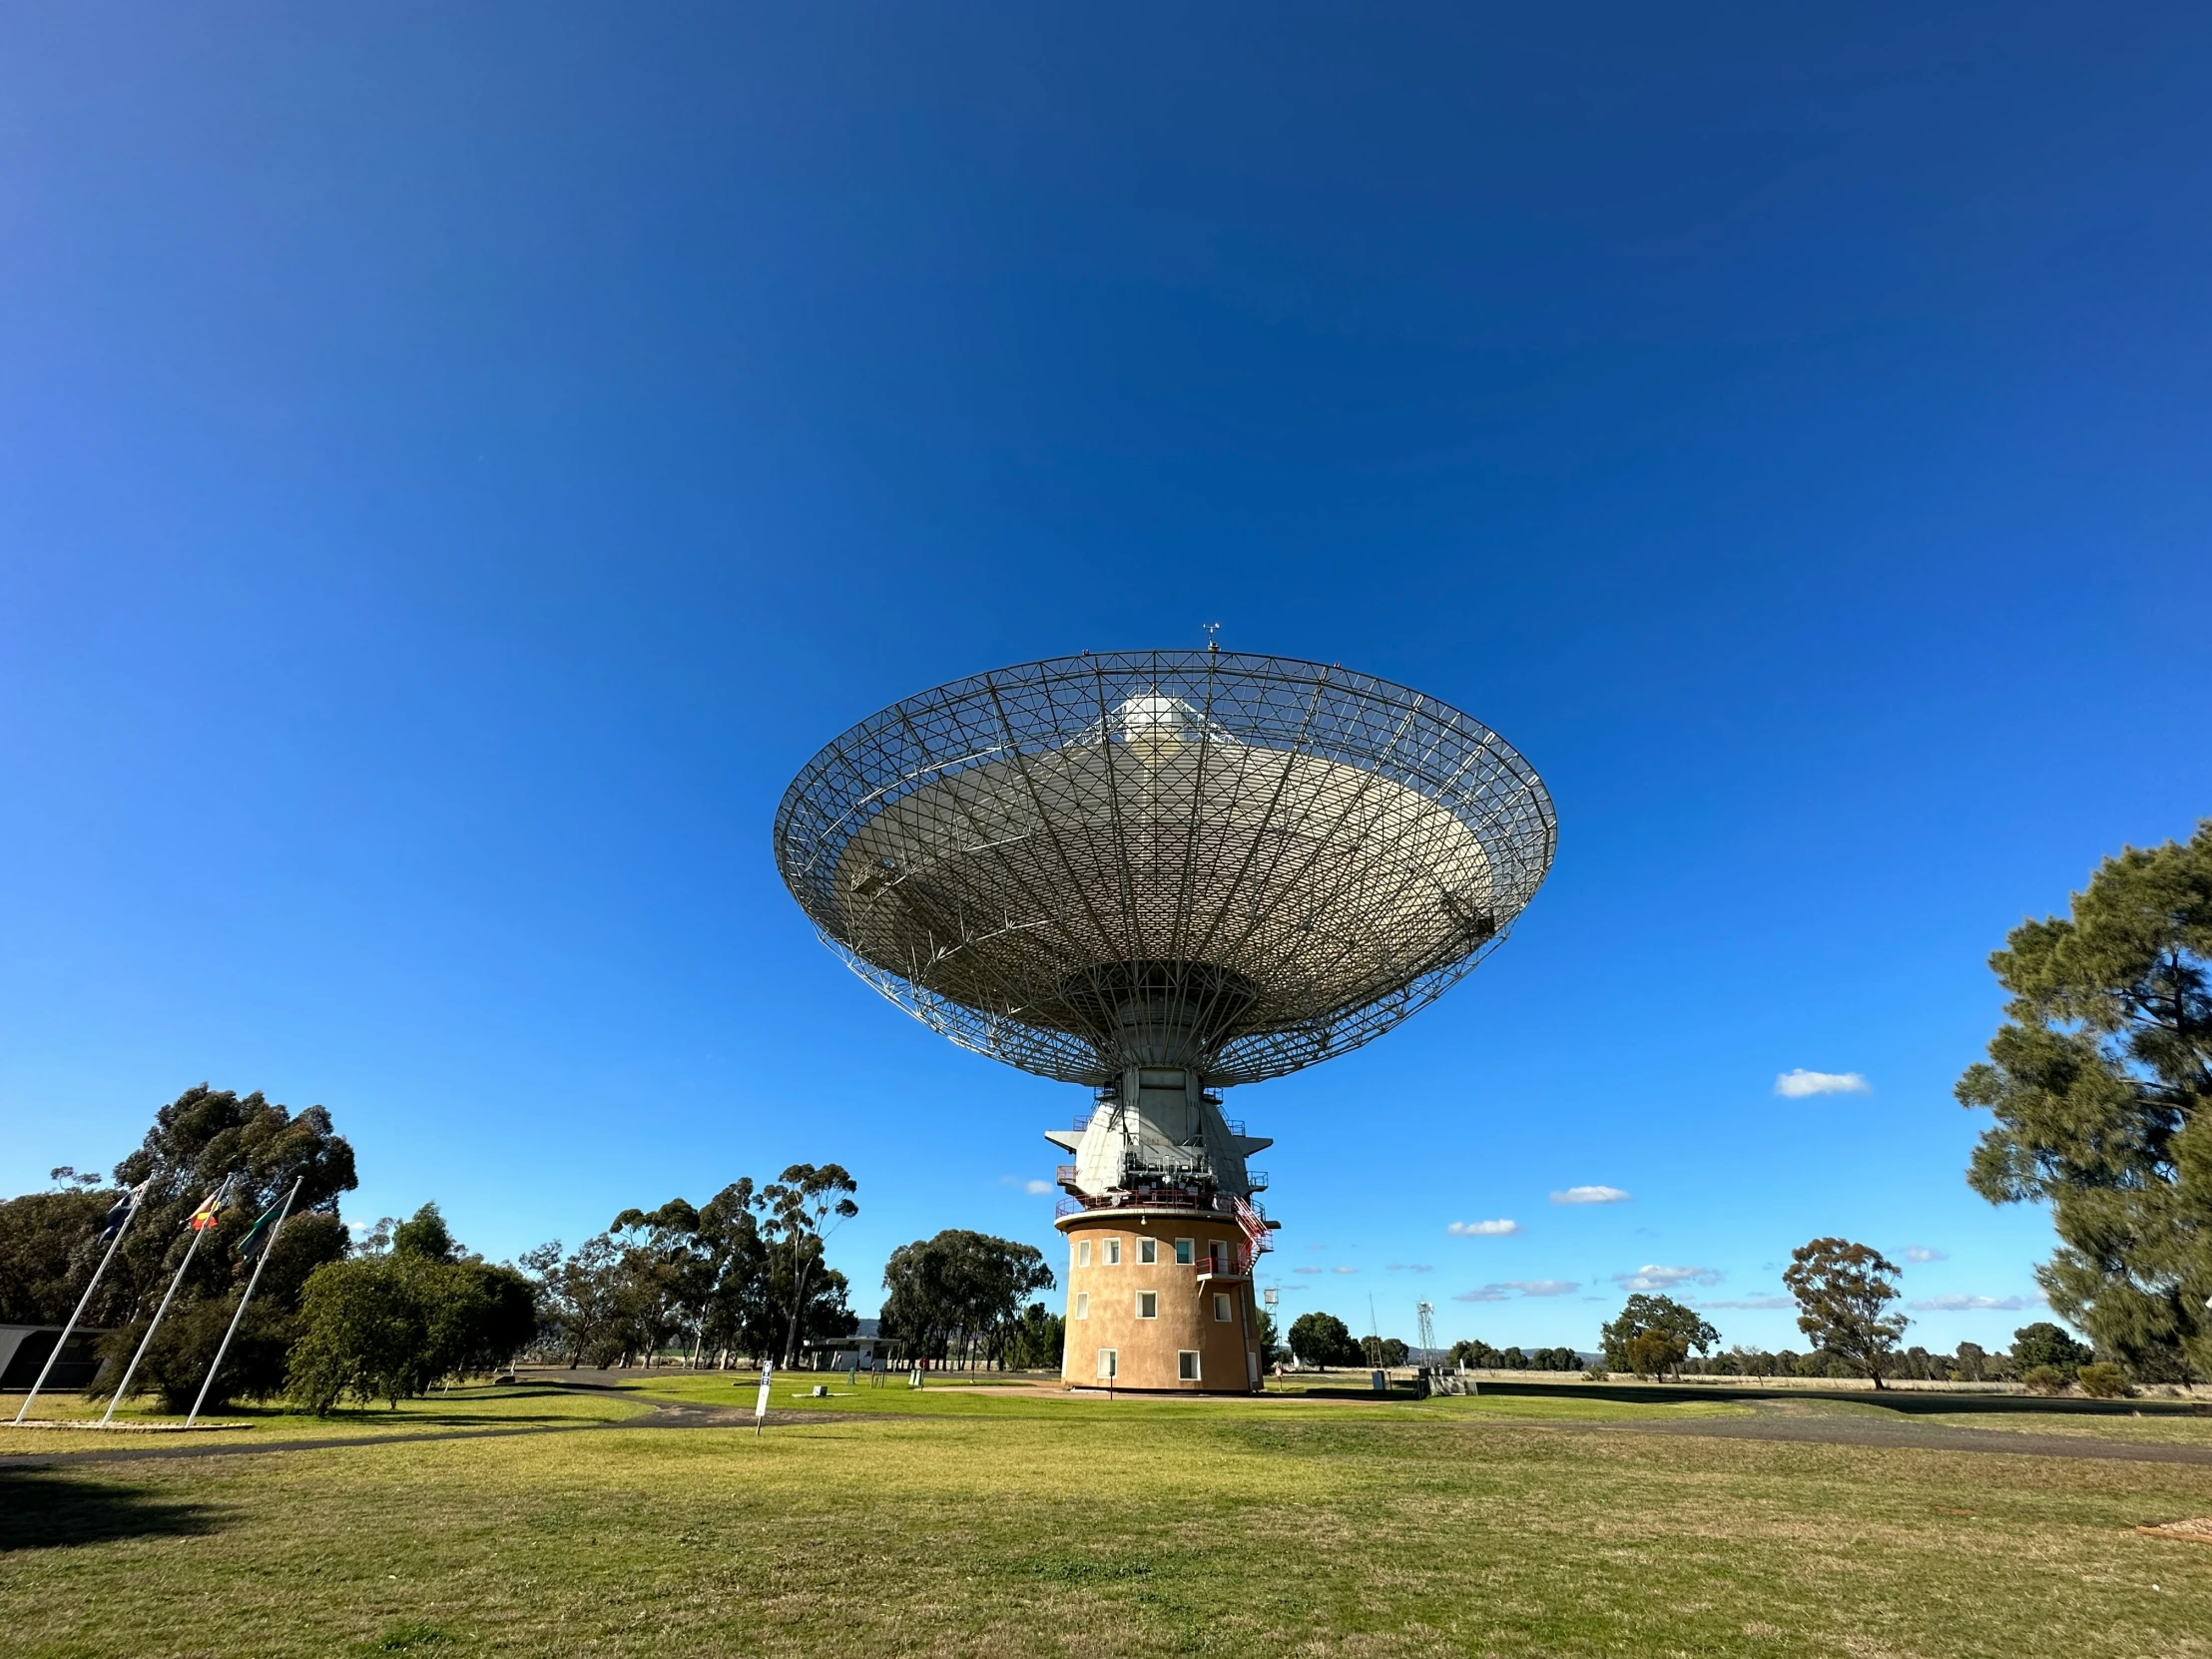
760,1403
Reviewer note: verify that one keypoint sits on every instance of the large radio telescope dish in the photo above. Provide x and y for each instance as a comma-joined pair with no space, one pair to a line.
1237,863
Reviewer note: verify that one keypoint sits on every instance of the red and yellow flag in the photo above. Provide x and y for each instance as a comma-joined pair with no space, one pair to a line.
205,1217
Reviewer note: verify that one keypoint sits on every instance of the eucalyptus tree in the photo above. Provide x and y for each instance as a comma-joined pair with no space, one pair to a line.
963,1292
2101,1082
1842,1293
797,1204
1654,1334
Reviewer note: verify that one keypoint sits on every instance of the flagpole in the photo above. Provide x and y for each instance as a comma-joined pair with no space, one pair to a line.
85,1301
131,1370
260,1262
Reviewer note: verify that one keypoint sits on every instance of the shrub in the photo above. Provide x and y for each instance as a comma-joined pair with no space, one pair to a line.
2044,1344
2104,1380
1651,1353
1596,1374
2045,1379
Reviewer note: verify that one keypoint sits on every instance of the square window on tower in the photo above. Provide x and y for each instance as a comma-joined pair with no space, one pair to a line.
1186,1366
1148,1304
1148,1251
1108,1365
1223,1311
1113,1253
1082,1253
1183,1249
1082,1304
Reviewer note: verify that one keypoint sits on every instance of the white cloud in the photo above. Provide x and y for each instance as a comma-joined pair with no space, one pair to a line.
1751,1302
1482,1229
1034,1187
1975,1304
1306,1270
1921,1253
1590,1195
1411,1266
1527,1287
1344,1270
1653,1278
1798,1085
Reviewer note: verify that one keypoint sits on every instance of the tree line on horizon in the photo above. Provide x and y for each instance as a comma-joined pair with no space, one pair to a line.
2100,1081
742,1275
405,1306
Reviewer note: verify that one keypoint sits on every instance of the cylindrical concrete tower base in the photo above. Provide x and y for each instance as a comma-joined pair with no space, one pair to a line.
1159,1300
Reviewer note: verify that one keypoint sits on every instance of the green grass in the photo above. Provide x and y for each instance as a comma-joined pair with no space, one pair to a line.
2186,1431
998,1523
528,1405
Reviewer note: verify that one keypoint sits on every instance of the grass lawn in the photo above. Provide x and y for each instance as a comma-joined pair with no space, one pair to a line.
527,1405
998,1523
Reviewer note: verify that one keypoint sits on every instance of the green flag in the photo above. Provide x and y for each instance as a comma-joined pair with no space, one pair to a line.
257,1236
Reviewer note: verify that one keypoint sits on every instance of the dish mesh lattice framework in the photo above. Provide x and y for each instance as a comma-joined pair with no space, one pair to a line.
1240,864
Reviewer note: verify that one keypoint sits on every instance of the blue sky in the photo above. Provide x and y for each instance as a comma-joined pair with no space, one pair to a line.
456,463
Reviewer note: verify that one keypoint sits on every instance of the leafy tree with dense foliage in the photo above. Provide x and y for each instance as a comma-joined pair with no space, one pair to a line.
960,1292
1323,1340
1269,1337
2044,1344
580,1299
197,1139
2101,1081
41,1235
731,1277
797,1203
1478,1355
720,1277
392,1325
1654,1334
1036,1341
1386,1351
177,1362
50,1243
1842,1290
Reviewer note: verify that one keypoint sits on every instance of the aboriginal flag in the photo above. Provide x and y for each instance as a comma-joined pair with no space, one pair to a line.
209,1213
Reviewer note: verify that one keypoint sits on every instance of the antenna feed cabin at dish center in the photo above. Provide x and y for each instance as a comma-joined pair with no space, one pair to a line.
1159,874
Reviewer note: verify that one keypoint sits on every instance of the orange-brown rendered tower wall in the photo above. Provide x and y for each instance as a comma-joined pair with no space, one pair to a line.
1159,1300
